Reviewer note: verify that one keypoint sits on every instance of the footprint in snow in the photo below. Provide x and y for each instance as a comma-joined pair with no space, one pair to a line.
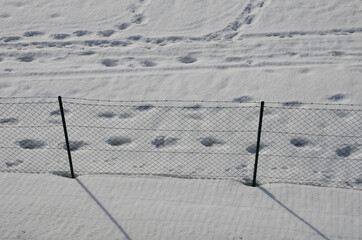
26,58
193,107
336,97
59,36
109,62
125,115
57,112
148,63
80,33
138,19
252,148
299,142
134,38
242,99
11,39
292,104
123,26
106,33
144,107
118,141
87,53
8,121
187,59
32,33
74,145
345,151
162,141
210,141
107,115
31,144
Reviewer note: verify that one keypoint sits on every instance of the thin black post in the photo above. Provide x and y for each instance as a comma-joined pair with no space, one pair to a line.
66,135
258,142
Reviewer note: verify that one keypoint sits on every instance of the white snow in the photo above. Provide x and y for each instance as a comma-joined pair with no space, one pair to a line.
272,50
268,50
104,207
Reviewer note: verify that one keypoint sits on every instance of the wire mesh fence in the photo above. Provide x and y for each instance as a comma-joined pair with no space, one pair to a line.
316,145
305,144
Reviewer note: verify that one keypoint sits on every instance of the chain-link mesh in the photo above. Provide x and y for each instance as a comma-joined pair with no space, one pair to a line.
31,136
184,141
314,145
305,144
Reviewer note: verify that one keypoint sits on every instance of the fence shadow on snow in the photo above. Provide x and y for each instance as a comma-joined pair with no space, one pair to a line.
312,144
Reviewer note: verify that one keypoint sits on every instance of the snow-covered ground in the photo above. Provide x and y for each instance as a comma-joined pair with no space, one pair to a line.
272,50
103,207
195,50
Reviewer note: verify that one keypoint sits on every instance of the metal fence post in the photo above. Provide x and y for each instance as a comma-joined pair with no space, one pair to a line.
66,135
258,142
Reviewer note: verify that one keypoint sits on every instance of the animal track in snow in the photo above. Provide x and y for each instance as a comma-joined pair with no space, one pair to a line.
31,144
118,141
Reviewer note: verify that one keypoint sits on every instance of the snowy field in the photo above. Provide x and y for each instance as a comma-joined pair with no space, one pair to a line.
103,207
251,50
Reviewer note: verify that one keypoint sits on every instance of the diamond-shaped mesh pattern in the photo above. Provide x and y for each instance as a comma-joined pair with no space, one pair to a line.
184,141
305,144
31,136
311,145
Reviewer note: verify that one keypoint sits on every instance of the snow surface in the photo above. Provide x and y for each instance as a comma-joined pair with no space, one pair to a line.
268,50
308,51
103,207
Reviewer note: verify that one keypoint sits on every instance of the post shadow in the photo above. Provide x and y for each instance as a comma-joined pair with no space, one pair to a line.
104,210
293,213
